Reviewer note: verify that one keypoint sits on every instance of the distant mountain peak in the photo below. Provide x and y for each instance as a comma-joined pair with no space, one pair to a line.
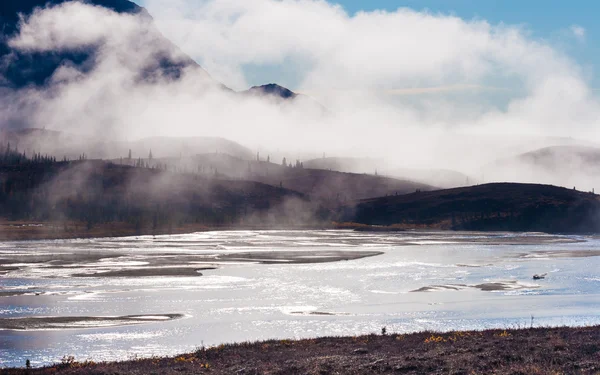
273,89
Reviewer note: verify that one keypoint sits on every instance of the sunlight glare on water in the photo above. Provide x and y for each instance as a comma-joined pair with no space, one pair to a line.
422,280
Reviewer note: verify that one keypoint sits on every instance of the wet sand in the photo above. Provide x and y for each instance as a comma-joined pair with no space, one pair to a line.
485,287
561,254
316,313
13,294
296,257
148,272
114,264
78,322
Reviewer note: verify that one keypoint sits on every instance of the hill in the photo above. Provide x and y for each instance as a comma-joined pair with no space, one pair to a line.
61,144
96,192
272,89
443,178
21,68
178,146
567,166
320,185
503,206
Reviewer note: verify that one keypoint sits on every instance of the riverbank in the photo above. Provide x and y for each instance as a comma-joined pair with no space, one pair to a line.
522,351
41,230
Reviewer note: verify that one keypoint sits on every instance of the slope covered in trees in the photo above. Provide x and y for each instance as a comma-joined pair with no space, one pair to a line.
503,206
331,187
95,192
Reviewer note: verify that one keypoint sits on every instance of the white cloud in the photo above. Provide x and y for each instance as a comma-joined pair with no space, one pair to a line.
360,58
578,32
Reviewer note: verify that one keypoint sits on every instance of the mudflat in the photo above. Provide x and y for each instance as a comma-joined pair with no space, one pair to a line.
148,272
78,322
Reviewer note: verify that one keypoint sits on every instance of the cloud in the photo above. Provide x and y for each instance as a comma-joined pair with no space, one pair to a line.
401,50
350,62
578,32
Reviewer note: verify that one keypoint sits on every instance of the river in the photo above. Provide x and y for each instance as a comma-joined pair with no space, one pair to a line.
98,299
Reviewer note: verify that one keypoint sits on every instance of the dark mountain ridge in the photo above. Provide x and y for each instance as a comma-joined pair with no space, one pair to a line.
327,187
272,89
20,69
499,206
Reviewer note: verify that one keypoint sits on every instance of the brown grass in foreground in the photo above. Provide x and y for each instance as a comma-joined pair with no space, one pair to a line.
528,351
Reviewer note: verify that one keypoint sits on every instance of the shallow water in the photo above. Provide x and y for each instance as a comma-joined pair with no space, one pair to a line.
243,299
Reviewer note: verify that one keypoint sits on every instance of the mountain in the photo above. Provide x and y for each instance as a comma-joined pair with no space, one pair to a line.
321,185
20,68
502,206
96,192
185,146
443,178
565,165
63,144
274,90
303,104
346,164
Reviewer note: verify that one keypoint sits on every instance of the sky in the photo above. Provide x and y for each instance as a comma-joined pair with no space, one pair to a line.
568,26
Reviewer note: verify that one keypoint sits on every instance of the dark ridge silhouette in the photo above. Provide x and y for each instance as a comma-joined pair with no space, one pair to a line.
94,192
284,95
273,89
331,187
490,207
20,69
442,178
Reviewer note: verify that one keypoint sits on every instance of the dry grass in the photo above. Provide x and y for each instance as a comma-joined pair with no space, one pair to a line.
526,351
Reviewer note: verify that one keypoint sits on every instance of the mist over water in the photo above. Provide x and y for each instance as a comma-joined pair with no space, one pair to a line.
244,300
